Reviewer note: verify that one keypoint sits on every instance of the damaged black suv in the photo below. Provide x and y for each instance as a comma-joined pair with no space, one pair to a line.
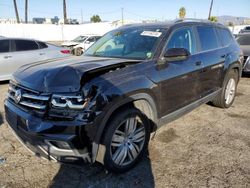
103,105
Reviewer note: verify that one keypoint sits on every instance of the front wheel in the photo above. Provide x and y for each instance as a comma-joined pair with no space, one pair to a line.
78,51
126,139
226,98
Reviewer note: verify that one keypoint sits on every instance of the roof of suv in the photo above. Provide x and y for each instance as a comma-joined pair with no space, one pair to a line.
174,22
13,38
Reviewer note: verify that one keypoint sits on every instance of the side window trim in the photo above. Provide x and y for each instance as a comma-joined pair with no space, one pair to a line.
39,46
13,45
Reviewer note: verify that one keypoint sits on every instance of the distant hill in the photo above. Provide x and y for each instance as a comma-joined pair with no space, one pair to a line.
235,20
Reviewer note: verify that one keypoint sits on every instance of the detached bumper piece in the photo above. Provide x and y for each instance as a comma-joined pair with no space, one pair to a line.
47,139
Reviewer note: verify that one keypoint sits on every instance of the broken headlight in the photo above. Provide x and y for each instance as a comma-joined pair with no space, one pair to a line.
72,102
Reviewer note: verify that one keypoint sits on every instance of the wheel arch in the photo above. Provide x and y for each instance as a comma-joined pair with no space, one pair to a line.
235,66
142,101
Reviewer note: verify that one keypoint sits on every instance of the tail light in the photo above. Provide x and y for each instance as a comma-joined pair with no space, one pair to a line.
65,51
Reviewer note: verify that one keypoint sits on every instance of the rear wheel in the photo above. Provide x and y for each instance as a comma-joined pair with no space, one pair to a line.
226,98
126,139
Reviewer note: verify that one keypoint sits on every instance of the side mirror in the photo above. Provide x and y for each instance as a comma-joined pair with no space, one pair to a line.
176,54
87,42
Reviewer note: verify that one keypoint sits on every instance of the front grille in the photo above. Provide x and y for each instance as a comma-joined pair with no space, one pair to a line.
28,99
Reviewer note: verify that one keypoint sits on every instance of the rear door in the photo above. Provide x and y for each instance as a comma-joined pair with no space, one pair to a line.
5,59
24,52
212,56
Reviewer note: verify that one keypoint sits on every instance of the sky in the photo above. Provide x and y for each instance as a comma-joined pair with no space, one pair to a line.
110,10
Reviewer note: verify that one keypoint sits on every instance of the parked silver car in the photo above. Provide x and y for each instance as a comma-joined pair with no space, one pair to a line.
244,42
15,53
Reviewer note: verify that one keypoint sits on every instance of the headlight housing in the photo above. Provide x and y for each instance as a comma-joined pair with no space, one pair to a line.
72,102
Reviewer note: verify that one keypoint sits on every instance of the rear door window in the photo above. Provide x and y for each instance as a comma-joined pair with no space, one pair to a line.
4,46
25,45
225,36
208,38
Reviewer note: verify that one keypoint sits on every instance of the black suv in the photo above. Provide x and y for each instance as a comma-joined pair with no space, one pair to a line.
103,105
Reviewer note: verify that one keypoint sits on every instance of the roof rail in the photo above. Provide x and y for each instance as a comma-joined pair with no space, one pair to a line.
191,19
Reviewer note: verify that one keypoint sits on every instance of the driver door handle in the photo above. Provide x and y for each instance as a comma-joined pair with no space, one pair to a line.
7,56
198,63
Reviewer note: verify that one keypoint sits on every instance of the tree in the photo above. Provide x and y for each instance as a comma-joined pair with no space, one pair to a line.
95,18
182,12
65,12
213,19
26,11
16,11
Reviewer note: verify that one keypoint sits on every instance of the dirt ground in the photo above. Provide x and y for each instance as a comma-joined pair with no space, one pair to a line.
209,147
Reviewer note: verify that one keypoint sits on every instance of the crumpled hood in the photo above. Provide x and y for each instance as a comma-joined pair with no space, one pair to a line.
245,49
61,75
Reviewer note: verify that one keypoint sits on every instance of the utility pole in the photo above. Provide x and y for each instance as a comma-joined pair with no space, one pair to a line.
16,11
65,12
81,17
122,16
26,11
210,10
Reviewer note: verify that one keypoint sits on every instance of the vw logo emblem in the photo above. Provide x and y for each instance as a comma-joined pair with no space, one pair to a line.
18,96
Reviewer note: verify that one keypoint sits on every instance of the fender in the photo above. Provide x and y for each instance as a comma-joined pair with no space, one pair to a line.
131,98
235,65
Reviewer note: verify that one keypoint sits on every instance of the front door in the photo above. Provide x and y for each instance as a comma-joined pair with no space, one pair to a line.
180,79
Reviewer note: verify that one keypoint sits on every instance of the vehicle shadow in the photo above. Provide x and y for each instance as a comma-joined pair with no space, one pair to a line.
4,82
1,119
95,176
246,75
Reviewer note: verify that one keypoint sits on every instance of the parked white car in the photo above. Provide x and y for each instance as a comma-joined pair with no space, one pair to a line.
72,43
15,53
81,47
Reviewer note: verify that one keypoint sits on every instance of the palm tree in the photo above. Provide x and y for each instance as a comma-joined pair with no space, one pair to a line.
64,12
26,11
182,12
17,15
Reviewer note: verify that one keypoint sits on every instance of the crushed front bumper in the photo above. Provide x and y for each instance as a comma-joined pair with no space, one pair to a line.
53,140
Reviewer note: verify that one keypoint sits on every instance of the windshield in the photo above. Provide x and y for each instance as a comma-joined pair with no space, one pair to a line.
244,40
135,43
80,39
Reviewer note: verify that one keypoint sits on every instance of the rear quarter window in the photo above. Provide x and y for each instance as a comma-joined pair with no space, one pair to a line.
42,45
4,46
25,45
225,36
208,38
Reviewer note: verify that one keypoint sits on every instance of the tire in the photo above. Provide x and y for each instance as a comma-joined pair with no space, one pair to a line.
226,97
126,140
78,51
